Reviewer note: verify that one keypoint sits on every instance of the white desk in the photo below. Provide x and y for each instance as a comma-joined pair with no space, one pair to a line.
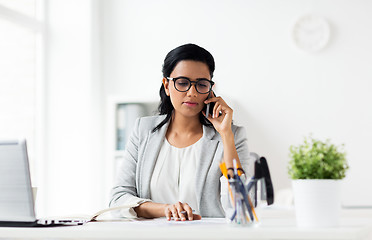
355,224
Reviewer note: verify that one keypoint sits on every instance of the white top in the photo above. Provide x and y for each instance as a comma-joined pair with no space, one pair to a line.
173,178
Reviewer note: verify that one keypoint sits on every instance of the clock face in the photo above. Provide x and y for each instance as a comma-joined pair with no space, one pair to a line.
311,33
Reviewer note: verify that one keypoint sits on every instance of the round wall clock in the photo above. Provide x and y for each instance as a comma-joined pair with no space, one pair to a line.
311,33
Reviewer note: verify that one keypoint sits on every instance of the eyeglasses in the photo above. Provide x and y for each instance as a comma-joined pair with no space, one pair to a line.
183,84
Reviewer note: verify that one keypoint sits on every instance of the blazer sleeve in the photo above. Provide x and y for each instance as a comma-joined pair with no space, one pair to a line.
124,191
241,144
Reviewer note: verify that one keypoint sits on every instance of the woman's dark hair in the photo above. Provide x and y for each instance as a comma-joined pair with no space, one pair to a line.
184,52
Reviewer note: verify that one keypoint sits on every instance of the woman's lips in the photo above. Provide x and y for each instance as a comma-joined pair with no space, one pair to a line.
190,104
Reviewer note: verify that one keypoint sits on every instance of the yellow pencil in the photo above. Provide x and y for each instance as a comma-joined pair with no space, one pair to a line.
224,172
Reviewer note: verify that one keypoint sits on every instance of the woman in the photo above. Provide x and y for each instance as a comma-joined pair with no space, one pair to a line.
171,162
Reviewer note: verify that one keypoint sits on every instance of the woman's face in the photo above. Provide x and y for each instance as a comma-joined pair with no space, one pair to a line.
189,103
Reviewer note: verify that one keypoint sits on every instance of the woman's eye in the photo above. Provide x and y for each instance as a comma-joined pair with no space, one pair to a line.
183,82
203,84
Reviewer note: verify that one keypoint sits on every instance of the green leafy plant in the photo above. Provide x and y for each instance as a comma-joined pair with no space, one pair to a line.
315,159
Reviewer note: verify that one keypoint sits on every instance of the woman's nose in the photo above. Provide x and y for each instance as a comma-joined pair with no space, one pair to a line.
192,91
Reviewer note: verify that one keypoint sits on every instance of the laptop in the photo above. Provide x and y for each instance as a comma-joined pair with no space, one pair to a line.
16,196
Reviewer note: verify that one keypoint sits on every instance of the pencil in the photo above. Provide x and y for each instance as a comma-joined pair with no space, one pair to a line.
224,172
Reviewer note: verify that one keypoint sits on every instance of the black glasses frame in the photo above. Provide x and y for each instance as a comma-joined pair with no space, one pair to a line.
191,82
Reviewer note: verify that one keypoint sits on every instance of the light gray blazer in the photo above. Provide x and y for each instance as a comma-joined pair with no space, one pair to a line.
135,172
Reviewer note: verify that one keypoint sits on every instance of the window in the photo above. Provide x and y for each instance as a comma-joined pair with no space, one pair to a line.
20,33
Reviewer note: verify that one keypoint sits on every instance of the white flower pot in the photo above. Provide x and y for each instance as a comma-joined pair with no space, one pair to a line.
317,202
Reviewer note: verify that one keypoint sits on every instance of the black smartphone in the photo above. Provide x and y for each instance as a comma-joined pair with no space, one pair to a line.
208,108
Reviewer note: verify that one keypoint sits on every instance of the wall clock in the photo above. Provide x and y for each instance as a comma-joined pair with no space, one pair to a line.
311,33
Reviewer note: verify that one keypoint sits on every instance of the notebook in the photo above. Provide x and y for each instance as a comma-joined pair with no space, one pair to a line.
16,196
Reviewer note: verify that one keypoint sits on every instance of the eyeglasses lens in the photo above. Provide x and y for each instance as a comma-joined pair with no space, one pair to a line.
183,85
203,86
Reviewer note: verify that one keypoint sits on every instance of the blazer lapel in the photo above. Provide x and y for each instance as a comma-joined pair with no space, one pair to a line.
207,153
149,159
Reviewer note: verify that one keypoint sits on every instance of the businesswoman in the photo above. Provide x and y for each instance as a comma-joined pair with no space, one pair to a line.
171,162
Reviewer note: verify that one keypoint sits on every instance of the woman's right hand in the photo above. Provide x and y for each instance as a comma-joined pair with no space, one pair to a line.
175,211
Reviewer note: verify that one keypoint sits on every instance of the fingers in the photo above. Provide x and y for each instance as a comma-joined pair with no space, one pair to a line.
217,110
179,207
197,217
190,215
171,211
220,106
168,214
175,212
180,211
212,99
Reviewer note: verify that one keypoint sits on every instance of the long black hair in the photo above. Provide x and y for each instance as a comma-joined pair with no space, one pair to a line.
184,52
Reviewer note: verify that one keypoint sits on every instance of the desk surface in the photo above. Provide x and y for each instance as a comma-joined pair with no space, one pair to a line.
355,224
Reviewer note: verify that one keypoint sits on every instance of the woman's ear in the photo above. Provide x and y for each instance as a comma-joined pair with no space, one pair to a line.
166,86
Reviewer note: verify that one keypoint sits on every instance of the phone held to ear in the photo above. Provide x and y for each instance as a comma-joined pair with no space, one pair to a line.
208,108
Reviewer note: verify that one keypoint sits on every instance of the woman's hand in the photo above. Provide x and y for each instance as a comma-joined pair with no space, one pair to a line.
222,120
175,211
222,115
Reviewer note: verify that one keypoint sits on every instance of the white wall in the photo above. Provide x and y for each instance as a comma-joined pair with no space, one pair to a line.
279,93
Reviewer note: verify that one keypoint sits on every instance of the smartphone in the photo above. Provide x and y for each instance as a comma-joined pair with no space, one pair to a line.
208,108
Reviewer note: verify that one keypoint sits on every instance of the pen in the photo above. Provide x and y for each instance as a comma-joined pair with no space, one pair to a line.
241,189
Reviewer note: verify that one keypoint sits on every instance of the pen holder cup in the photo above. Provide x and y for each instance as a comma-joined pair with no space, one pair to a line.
241,211
244,191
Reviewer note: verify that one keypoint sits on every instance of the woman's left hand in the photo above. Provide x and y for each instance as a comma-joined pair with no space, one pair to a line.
222,115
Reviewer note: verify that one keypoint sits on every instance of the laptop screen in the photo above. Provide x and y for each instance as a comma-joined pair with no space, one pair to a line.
16,199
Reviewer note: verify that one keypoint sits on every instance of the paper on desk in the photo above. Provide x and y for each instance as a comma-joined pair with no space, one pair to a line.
101,214
154,222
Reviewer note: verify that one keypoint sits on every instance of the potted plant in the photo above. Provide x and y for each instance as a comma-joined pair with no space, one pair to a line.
316,168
